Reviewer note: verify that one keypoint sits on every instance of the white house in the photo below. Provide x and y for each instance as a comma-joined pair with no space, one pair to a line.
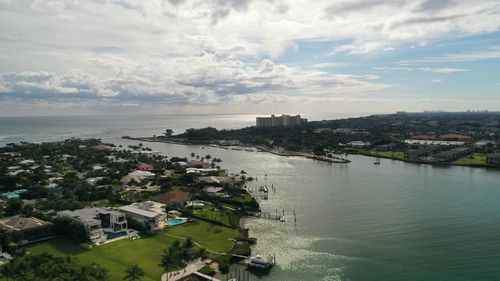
151,213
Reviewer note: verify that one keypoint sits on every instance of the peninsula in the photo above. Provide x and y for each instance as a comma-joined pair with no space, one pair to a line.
440,138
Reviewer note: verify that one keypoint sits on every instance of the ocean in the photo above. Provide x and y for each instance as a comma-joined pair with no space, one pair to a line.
356,221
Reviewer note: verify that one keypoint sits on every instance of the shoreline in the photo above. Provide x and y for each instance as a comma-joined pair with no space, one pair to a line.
332,160
484,166
309,156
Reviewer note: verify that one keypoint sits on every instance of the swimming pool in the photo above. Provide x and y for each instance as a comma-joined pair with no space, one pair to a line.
175,221
198,203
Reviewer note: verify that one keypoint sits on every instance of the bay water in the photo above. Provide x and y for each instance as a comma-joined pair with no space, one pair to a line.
356,221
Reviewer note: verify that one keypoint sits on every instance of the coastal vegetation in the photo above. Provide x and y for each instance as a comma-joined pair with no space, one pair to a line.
38,181
434,138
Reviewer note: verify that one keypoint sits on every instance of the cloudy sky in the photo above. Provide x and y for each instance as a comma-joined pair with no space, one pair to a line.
248,56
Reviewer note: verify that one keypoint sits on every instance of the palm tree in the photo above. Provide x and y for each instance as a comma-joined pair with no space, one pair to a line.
188,243
202,253
134,273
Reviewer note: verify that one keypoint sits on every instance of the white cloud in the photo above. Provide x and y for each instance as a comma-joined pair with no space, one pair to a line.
213,51
204,79
442,70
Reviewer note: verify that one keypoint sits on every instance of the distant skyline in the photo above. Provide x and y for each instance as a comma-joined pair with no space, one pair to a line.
70,57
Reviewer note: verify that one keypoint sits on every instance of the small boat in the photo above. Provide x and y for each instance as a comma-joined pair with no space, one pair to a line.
259,262
265,189
282,219
377,161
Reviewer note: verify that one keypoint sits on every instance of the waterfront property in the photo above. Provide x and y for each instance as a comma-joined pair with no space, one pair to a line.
151,214
280,121
174,221
435,142
493,159
137,176
174,198
416,154
101,224
28,230
359,144
450,155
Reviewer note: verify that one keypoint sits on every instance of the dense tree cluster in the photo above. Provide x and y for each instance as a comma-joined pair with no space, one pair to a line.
45,267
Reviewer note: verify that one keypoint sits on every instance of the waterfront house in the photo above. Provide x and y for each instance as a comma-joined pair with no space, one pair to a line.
218,181
215,191
386,147
202,171
145,167
359,144
147,153
483,143
420,152
174,198
151,214
197,164
138,176
493,159
27,230
450,155
100,224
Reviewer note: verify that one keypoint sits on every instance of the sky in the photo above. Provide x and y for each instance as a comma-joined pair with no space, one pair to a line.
67,57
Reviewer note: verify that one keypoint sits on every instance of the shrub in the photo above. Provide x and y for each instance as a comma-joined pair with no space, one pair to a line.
207,270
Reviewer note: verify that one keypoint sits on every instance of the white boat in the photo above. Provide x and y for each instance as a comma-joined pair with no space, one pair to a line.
260,262
377,161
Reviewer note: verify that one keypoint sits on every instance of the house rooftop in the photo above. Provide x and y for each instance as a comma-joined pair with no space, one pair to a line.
87,214
173,196
148,209
20,223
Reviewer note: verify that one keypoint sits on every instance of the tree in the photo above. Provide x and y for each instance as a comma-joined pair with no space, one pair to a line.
5,240
188,243
45,267
13,206
71,228
169,133
134,273
202,253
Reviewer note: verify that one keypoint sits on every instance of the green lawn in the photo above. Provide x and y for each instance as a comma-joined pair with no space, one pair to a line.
116,256
388,154
146,252
213,237
472,159
209,212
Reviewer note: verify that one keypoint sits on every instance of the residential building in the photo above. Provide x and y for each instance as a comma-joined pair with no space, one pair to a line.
151,213
145,167
174,198
485,143
359,144
493,159
101,224
28,230
280,121
138,176
202,171
422,151
450,155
